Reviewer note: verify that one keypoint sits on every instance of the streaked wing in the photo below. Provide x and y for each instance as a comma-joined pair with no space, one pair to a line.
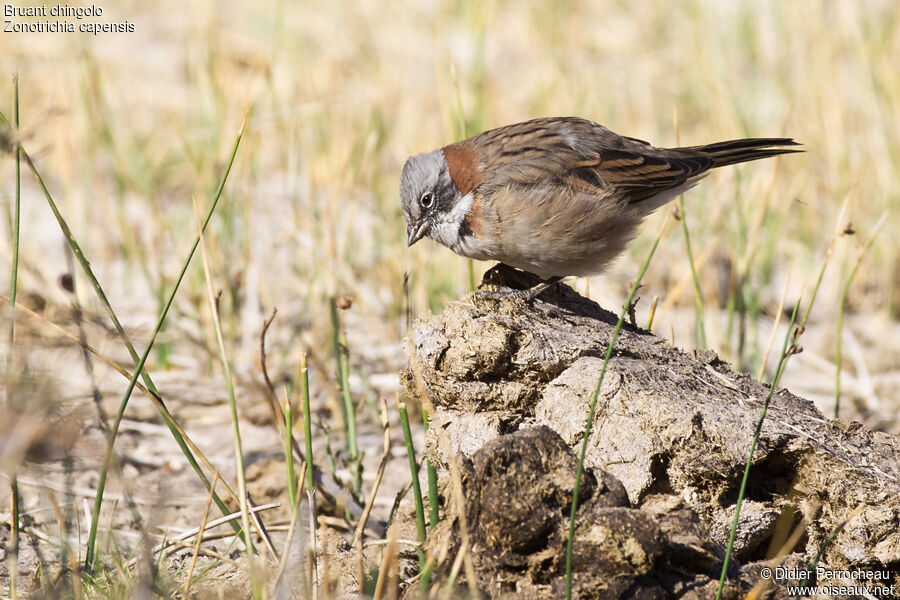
636,175
586,156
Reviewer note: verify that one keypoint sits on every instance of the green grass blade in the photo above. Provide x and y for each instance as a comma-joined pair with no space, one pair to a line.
232,405
104,470
593,407
307,425
14,268
700,331
433,514
417,489
787,349
86,268
14,496
342,355
842,303
289,453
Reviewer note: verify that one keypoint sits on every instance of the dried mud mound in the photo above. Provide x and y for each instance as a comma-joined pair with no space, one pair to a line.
511,383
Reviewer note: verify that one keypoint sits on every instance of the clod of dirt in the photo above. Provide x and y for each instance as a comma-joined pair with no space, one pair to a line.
521,482
511,382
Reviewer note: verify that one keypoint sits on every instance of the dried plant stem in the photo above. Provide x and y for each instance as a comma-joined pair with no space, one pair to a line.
139,368
700,327
652,314
840,317
464,556
196,553
232,403
156,400
827,541
13,545
790,543
228,518
286,555
379,474
778,313
838,227
388,563
86,268
12,557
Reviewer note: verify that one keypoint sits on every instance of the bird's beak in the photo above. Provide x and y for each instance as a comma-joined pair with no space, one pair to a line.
416,230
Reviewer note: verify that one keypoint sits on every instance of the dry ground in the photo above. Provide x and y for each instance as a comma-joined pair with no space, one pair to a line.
128,128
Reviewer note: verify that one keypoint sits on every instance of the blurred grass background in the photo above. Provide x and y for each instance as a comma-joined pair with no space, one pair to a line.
129,127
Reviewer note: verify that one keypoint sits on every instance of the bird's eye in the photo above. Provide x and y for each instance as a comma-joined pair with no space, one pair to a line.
427,199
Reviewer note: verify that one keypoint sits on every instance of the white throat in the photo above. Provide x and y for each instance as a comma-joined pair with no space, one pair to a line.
446,231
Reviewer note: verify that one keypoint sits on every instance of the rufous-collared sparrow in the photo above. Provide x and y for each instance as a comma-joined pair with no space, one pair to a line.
554,196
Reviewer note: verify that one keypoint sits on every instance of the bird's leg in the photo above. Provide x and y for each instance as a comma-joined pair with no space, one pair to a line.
534,292
528,294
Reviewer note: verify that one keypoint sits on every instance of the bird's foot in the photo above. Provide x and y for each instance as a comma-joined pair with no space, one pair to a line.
527,294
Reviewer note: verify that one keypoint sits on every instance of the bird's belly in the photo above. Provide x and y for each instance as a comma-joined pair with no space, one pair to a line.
590,264
551,235
541,259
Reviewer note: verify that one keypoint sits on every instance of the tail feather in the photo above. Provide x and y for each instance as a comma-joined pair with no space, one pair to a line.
737,151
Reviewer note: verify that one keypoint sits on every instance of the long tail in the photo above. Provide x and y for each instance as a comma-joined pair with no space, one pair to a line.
738,151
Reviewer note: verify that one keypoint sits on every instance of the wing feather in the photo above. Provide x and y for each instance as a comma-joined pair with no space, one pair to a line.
593,159
586,156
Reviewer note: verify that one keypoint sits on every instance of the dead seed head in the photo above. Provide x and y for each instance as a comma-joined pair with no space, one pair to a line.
7,140
66,282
